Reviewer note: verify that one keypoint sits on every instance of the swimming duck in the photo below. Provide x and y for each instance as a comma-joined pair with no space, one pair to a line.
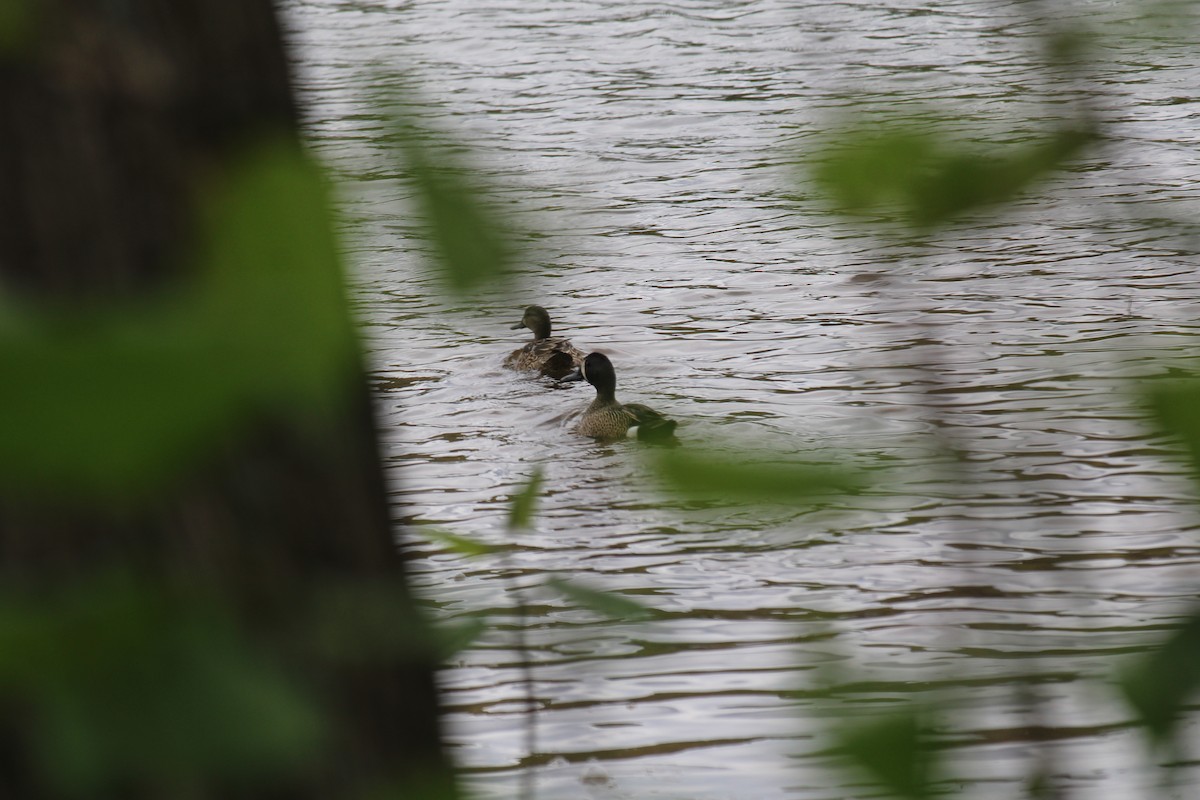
553,356
605,418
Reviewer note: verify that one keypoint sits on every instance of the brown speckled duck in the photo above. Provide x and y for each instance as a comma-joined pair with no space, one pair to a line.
547,355
606,419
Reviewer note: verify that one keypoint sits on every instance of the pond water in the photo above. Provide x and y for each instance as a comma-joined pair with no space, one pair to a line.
650,147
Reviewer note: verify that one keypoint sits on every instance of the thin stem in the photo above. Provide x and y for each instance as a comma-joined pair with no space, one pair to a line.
521,644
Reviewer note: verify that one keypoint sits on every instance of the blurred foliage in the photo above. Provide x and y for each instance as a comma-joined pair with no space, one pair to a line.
473,247
125,682
733,476
915,172
521,509
893,751
1168,20
122,683
451,638
604,603
17,21
1161,686
1175,405
462,545
115,404
920,175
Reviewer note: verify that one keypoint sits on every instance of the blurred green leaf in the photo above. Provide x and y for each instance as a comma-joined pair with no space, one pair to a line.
1162,684
1068,46
916,171
453,638
521,510
751,477
17,21
1164,22
604,603
1174,405
121,681
275,303
893,751
113,405
472,246
459,544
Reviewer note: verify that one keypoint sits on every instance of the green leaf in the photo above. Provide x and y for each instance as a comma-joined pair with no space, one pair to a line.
459,544
607,604
122,681
1160,686
471,245
917,172
275,303
115,404
1162,23
1174,406
894,752
751,477
18,19
521,510
453,638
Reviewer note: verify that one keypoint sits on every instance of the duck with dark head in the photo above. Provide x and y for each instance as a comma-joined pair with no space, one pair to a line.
607,419
548,355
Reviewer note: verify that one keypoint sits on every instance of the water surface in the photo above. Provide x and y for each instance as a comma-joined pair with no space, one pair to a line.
651,146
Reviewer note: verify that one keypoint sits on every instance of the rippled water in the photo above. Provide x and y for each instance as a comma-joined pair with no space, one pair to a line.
650,144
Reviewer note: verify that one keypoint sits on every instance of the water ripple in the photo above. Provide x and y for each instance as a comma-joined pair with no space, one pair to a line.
653,146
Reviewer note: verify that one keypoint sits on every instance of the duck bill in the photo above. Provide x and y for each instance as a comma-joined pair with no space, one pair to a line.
517,326
577,375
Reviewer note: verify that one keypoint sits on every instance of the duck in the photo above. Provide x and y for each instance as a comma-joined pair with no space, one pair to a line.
555,356
606,419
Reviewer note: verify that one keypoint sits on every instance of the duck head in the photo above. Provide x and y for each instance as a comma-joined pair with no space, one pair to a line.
597,370
537,319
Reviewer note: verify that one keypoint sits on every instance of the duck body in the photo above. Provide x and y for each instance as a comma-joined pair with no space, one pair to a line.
553,356
548,355
609,420
606,419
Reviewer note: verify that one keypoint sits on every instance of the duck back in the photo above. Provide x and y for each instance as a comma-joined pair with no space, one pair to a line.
554,357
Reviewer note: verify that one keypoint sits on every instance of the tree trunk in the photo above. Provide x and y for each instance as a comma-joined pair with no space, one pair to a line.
113,116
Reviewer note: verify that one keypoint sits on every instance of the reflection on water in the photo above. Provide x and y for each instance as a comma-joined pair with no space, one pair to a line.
650,144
